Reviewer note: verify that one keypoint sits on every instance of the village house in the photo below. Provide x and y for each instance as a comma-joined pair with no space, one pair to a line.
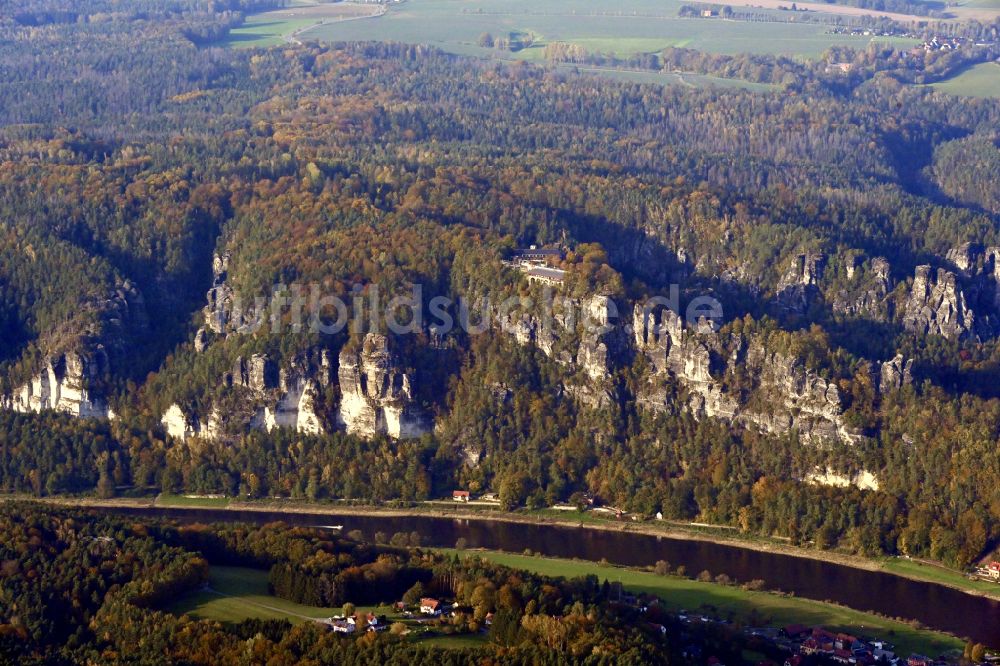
342,626
461,495
429,606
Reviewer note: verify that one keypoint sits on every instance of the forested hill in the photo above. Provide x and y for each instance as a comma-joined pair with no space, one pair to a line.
153,185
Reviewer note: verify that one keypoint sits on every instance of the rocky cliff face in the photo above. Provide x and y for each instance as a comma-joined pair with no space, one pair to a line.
794,397
799,286
783,395
866,292
271,398
963,303
864,480
685,356
224,311
582,336
937,305
376,394
69,378
63,385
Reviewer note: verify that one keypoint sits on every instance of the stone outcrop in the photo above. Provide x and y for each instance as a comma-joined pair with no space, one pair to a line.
376,393
180,425
271,398
799,286
295,409
783,396
581,335
64,385
863,480
684,356
225,312
867,290
937,305
895,374
78,359
794,397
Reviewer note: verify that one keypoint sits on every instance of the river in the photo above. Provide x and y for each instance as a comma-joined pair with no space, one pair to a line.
936,606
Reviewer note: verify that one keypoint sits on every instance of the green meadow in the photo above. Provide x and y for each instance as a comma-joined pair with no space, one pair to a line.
736,603
982,80
939,574
264,30
622,28
237,593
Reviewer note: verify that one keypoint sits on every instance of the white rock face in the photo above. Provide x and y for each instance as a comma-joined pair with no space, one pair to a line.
376,394
178,425
864,479
62,386
295,409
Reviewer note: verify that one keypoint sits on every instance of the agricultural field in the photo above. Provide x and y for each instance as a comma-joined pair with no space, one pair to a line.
284,25
734,602
982,80
625,28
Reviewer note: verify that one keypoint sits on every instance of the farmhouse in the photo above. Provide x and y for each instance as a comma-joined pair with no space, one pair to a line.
461,495
429,606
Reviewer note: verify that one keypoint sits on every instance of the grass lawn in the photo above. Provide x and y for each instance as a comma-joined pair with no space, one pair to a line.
682,593
938,574
982,80
623,28
237,593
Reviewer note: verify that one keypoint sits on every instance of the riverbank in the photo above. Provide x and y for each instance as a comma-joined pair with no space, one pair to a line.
736,604
719,535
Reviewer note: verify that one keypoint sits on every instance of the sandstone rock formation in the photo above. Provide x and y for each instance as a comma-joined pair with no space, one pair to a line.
376,393
937,305
64,385
800,283
863,480
895,374
225,312
784,395
78,358
866,293
584,336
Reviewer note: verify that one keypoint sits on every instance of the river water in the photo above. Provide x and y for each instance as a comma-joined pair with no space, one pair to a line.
934,605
